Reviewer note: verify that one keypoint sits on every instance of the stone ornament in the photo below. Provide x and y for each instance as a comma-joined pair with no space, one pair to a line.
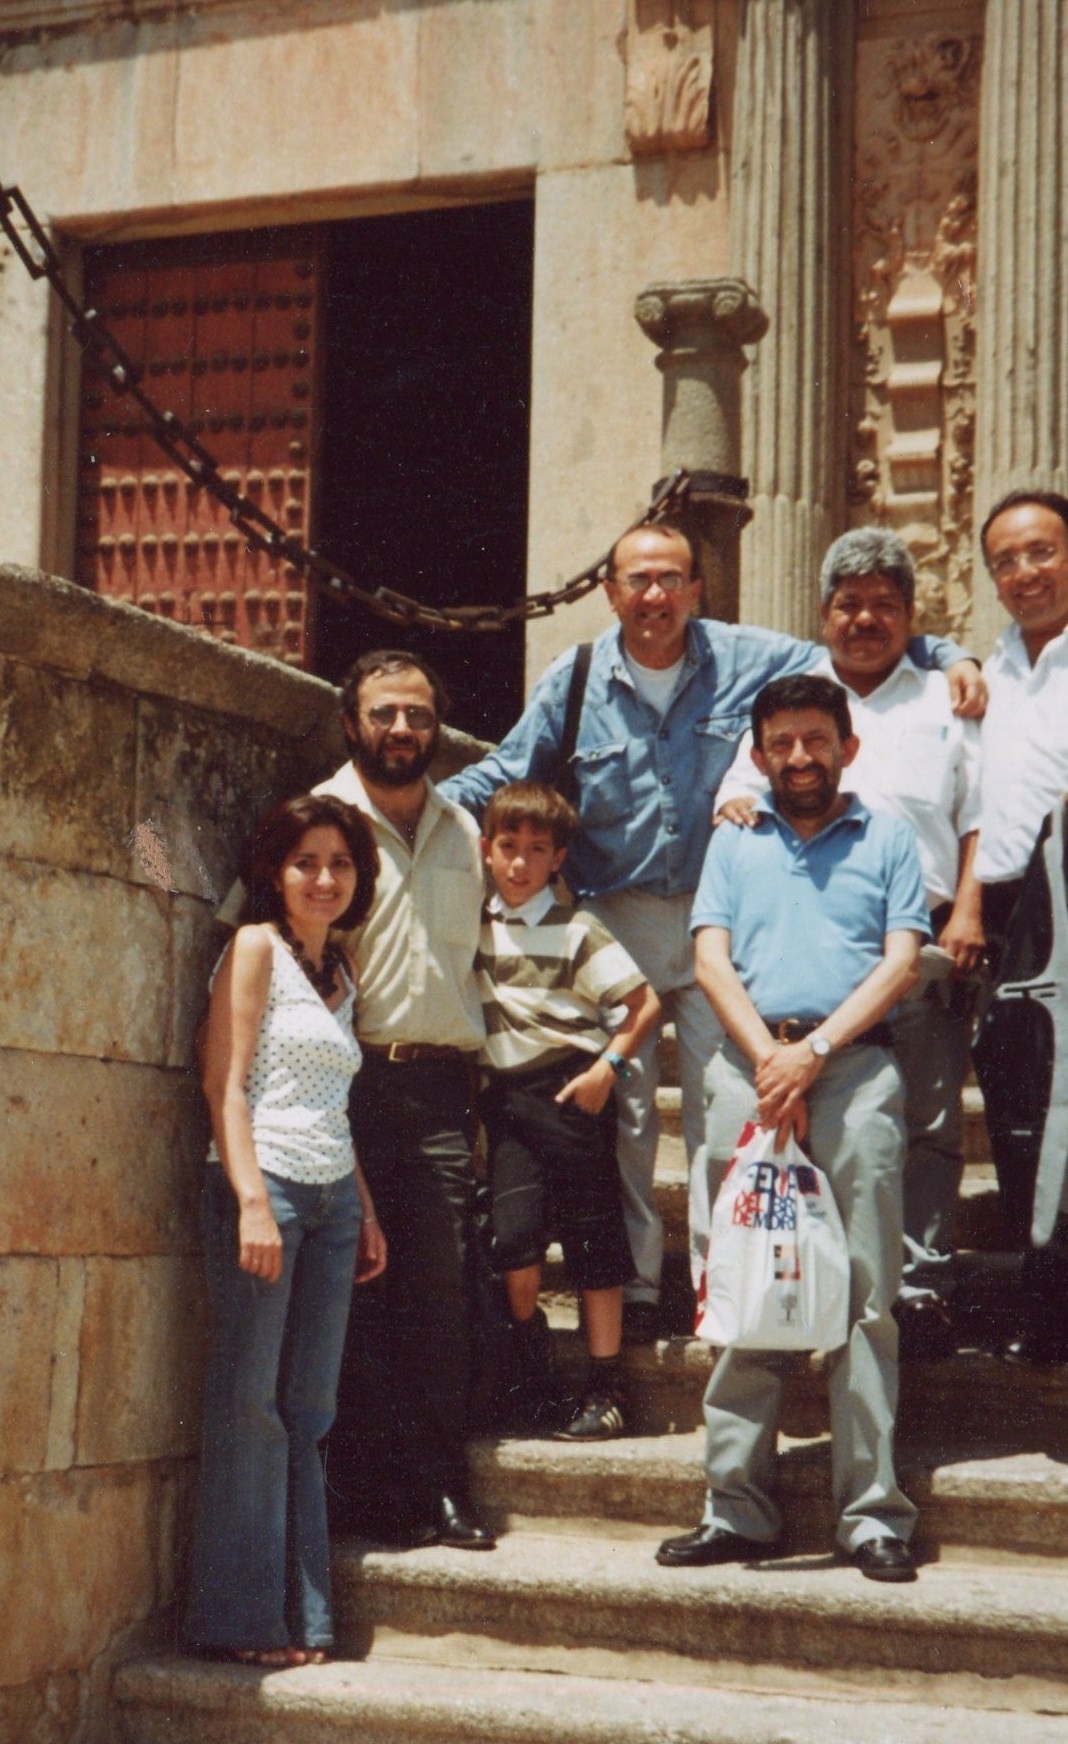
913,398
699,313
669,63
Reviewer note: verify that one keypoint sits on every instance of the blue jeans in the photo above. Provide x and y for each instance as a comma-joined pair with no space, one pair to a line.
260,1573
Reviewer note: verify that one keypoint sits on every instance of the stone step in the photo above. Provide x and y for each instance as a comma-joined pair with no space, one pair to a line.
973,1393
969,1494
380,1702
598,1587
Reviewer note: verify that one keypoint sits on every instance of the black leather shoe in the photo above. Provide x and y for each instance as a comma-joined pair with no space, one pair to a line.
458,1532
707,1545
885,1559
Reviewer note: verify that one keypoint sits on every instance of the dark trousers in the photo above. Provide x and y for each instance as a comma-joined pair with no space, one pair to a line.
399,1440
1013,1049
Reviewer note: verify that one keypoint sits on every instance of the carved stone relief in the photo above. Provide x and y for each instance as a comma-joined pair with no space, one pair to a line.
913,393
669,56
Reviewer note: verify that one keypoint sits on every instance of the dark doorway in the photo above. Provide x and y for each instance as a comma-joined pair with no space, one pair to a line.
423,477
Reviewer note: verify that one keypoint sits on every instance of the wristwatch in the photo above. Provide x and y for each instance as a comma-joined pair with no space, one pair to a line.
620,1065
820,1046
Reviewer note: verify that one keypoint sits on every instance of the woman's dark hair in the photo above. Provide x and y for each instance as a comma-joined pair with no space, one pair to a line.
277,834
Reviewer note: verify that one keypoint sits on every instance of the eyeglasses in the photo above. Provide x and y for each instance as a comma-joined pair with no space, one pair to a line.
1036,556
670,581
419,719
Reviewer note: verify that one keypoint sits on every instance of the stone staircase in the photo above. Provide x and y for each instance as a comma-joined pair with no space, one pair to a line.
571,1634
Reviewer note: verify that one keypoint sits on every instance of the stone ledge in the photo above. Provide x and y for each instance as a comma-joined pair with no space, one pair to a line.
54,623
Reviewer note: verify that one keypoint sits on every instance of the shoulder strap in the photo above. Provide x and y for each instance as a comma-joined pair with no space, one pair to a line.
564,777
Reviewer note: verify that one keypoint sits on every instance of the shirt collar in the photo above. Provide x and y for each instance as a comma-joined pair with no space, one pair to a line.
348,785
853,817
905,672
693,656
531,913
1014,653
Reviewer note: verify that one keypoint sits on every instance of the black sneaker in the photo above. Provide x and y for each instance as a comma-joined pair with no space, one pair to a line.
598,1418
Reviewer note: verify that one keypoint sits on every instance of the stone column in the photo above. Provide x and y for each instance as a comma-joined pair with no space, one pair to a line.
791,158
701,326
1022,358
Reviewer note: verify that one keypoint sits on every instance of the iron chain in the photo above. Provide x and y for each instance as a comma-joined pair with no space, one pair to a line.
259,529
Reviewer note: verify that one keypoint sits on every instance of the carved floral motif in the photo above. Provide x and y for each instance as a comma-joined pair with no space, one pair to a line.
913,397
669,75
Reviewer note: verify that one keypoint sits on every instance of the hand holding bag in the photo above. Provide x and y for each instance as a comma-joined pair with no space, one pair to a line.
777,1276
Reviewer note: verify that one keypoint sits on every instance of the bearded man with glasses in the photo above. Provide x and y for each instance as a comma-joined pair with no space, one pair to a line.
396,1459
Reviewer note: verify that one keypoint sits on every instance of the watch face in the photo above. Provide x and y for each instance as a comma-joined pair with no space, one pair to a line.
820,1046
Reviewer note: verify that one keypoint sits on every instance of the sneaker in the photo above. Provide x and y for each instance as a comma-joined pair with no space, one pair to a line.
598,1418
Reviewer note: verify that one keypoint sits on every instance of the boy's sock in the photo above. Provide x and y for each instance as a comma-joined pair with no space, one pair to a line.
536,1402
604,1376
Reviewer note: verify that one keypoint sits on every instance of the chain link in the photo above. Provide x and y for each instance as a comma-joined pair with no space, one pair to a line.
260,530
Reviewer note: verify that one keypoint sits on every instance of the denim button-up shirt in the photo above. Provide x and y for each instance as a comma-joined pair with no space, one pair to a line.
646,783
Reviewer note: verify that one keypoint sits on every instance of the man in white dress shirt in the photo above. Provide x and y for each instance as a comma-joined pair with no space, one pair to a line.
1025,778
920,761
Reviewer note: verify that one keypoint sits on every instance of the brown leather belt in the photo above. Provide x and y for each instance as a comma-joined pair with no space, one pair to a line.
796,1029
409,1053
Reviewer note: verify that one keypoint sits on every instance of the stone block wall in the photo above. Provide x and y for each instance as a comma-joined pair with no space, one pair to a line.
134,755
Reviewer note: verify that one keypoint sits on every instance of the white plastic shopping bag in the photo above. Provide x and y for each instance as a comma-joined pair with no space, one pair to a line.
777,1276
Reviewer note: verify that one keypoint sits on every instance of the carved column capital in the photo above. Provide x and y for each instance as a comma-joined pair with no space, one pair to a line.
700,315
701,326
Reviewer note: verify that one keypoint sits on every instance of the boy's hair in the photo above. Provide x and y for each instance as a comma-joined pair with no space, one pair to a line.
805,690
530,802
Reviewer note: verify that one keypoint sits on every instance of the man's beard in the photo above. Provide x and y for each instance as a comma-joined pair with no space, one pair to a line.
371,762
809,801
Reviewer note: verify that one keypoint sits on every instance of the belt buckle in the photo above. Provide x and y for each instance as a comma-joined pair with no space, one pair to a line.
395,1053
788,1029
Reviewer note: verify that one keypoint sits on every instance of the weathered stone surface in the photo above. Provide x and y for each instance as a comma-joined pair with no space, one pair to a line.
41,1714
195,946
48,622
66,770
197,797
66,1339
595,248
85,964
580,84
100,1156
357,64
28,1289
77,1563
467,50
142,1343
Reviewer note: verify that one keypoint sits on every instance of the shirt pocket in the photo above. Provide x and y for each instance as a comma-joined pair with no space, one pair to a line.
921,763
715,744
604,785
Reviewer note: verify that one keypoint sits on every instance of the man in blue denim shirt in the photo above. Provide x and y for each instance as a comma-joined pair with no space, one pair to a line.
667,698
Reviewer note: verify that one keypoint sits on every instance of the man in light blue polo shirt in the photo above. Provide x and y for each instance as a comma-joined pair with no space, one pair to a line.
666,700
808,929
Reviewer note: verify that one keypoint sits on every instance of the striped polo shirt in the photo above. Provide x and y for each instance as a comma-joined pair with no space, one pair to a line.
547,974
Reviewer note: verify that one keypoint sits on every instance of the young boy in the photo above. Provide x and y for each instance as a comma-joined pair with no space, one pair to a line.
545,973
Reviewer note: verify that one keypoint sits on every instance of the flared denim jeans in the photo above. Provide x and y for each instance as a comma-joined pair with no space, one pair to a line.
260,1574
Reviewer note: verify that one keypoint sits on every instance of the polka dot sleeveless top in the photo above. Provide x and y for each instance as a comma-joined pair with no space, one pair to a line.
299,1079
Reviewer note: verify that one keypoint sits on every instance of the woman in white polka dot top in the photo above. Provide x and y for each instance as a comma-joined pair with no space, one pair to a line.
288,1225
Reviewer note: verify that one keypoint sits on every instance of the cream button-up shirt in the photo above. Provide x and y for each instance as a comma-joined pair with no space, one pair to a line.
1025,752
415,952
